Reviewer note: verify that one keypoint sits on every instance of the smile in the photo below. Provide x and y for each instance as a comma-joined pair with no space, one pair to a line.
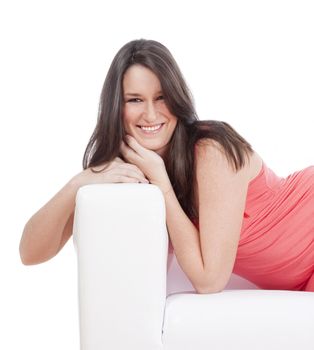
151,129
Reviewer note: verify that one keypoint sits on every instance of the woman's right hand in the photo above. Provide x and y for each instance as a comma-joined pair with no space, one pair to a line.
115,172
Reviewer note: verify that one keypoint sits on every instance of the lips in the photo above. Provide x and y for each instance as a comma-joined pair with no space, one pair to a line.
151,129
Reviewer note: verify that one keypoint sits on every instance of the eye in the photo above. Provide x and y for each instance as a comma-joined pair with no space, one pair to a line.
134,100
160,97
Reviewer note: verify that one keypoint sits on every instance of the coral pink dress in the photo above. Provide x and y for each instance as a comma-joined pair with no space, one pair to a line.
276,247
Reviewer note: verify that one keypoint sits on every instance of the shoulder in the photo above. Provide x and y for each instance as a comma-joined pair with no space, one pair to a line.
207,149
211,157
211,160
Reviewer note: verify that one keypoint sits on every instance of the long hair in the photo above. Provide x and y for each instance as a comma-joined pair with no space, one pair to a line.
104,144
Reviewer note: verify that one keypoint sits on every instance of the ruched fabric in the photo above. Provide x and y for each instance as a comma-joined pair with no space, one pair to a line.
276,247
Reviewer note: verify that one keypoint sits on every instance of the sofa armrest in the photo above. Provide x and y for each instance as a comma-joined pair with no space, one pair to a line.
121,241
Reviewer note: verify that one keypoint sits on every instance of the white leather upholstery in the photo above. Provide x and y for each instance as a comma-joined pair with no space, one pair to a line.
127,301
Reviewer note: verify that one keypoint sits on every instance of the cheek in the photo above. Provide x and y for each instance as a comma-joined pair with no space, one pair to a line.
174,125
130,114
127,118
162,108
174,122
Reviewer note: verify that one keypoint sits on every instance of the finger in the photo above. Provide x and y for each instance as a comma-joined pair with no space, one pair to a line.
128,179
119,160
129,170
134,168
128,152
128,176
134,145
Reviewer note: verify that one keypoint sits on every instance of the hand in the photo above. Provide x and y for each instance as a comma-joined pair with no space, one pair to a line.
149,162
113,172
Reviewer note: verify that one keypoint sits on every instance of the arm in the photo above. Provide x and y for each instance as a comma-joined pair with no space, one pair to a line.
206,257
47,231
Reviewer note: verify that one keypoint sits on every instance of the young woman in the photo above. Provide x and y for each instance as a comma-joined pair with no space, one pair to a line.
226,211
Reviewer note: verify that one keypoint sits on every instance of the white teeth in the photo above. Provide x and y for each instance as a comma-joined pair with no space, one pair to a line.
151,128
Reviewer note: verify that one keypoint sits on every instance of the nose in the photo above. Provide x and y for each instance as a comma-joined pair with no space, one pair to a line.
150,114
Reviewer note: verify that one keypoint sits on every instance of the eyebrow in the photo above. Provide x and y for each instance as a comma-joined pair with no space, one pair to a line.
132,94
137,94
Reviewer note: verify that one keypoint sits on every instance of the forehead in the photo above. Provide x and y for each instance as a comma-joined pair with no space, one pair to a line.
139,78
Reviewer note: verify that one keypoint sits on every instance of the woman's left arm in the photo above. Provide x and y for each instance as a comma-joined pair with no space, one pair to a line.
206,257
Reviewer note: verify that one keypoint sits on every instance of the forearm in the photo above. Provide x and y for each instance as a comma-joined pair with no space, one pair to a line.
42,233
183,234
185,240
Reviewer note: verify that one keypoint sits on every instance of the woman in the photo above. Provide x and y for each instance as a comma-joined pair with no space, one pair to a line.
226,210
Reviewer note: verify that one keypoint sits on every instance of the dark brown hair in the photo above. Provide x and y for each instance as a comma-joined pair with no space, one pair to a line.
104,144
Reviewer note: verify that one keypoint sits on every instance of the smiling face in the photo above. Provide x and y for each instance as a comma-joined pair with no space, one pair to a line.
146,116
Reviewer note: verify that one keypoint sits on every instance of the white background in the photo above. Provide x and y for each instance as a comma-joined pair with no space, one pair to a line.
249,63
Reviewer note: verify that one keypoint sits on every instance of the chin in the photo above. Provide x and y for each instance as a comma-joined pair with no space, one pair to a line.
156,148
152,148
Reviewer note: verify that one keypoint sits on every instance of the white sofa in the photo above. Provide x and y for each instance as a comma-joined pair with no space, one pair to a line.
127,301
